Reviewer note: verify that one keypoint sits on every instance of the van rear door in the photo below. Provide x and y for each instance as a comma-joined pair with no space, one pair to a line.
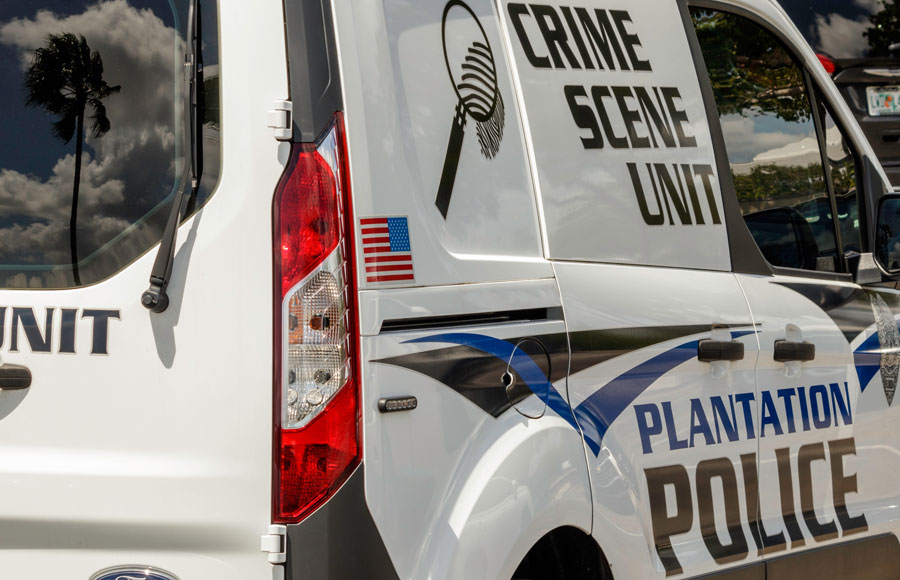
144,439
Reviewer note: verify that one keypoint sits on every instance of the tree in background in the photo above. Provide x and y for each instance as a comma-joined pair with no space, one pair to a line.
749,75
885,29
66,79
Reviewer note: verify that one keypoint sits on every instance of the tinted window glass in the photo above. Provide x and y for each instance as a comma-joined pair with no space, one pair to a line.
847,28
771,139
91,111
887,234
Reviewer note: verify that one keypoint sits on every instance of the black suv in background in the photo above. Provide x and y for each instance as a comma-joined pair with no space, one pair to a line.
858,42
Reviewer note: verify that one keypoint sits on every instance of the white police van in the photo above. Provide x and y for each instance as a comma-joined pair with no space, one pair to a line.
472,289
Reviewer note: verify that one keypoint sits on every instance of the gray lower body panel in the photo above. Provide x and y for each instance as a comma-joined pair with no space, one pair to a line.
339,541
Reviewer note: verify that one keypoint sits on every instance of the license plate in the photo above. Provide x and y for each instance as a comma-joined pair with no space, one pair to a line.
883,101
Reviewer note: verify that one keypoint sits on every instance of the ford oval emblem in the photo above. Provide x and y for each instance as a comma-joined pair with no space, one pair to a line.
133,573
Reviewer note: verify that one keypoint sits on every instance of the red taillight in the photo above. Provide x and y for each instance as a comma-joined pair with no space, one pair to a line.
315,460
308,215
317,436
827,63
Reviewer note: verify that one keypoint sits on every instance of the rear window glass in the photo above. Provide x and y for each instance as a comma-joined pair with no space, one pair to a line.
847,28
92,142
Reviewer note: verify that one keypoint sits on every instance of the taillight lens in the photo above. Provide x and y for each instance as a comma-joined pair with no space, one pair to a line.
827,63
317,410
309,217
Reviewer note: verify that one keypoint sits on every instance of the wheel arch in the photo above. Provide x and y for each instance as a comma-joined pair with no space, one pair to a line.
564,553
509,499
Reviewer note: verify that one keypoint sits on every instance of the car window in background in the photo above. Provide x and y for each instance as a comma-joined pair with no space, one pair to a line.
847,29
91,111
772,143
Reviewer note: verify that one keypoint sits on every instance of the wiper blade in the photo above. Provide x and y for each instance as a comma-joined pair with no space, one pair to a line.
155,298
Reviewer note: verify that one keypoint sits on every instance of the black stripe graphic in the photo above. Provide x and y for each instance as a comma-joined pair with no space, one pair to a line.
592,347
475,374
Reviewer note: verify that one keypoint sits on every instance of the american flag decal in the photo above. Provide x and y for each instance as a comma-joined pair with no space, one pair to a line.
387,253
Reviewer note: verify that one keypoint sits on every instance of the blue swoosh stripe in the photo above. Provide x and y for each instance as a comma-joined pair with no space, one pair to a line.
867,359
598,411
523,364
736,334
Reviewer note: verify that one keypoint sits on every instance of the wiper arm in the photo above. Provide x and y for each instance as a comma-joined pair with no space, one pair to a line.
155,297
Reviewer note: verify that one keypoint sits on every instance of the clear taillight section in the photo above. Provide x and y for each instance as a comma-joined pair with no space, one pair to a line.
317,432
317,361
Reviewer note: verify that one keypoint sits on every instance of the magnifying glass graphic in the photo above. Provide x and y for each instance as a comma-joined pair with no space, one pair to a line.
470,64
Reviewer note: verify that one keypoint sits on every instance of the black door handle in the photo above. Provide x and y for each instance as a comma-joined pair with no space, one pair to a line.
711,350
13,377
788,350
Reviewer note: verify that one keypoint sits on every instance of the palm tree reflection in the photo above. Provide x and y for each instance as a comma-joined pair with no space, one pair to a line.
66,79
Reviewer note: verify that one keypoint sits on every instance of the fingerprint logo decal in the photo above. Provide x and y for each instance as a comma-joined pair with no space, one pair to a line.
473,75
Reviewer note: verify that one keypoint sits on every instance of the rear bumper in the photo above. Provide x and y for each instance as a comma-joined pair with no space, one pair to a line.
340,540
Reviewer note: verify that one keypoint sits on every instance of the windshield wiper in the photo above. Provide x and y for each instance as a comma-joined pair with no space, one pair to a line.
155,297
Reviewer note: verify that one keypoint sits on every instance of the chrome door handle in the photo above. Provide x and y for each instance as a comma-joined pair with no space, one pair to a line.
14,377
713,350
789,350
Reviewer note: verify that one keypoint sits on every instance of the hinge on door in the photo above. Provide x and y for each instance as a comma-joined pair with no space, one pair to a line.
275,544
280,120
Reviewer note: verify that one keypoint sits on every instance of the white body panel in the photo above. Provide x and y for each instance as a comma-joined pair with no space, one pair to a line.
438,473
837,318
642,371
477,491
480,490
591,201
160,453
399,108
